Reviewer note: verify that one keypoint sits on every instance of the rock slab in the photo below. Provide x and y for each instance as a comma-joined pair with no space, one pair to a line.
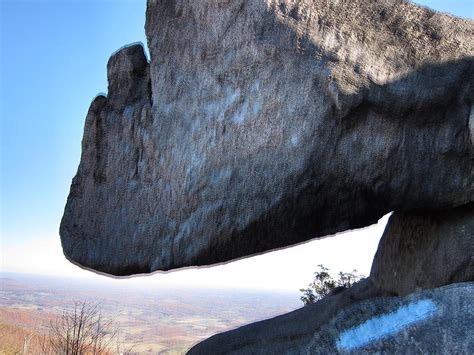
261,124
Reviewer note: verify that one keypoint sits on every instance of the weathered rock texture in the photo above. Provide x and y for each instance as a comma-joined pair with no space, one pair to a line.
260,124
425,250
434,321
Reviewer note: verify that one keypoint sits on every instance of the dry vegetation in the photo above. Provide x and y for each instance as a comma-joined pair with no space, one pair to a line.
22,329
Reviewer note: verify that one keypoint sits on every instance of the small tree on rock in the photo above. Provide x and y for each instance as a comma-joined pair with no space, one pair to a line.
323,284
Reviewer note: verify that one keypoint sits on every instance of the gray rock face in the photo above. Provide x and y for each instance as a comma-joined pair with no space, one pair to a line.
425,250
437,321
261,124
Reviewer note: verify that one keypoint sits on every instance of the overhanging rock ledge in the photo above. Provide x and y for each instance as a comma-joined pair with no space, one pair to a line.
261,124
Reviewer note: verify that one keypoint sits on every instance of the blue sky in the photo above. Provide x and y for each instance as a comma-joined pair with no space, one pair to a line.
53,63
54,56
463,8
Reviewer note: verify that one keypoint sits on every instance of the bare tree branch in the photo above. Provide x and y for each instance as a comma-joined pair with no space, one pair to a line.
83,330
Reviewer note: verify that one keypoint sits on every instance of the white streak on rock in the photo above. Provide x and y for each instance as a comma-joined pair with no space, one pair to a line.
386,325
295,139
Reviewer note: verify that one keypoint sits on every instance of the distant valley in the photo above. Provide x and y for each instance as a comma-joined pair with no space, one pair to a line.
158,320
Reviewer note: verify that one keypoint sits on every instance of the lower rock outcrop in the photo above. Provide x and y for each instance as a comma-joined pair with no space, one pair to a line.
428,322
286,333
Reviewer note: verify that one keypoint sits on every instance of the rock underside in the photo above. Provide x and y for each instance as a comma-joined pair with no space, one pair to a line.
261,124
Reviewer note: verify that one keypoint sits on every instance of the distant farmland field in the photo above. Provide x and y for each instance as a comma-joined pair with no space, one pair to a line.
158,320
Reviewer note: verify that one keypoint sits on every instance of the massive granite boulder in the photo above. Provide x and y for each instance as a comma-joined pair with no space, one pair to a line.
436,321
260,124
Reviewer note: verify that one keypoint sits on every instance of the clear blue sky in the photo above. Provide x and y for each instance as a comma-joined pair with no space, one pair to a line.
54,56
53,63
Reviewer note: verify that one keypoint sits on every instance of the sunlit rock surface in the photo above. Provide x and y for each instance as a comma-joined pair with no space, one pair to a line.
260,124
